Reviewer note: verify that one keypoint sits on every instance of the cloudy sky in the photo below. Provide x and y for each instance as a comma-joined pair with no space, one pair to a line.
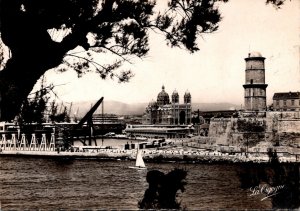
216,72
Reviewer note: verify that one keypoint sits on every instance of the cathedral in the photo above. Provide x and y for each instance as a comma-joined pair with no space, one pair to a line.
165,112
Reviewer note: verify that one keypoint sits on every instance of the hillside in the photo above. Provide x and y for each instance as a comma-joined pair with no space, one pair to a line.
121,108
214,106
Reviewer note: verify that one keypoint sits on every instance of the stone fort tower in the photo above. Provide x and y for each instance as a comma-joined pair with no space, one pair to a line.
255,87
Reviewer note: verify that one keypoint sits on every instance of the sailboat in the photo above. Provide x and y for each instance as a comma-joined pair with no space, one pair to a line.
139,162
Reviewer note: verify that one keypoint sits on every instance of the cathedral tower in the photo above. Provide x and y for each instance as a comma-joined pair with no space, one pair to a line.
188,108
175,97
187,97
255,87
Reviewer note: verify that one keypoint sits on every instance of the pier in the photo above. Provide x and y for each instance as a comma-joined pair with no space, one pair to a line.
14,144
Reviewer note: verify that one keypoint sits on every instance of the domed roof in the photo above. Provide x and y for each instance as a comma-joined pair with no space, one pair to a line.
163,97
163,93
254,54
152,104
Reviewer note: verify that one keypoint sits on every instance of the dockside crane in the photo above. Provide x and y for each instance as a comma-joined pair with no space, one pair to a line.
88,118
67,134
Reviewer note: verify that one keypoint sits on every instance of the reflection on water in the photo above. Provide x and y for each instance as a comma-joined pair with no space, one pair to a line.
32,183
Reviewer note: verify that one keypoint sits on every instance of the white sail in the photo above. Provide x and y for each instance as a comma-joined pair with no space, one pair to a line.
139,160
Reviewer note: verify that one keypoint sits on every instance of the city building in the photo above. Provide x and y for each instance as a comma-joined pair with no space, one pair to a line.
105,118
158,131
255,87
169,113
286,101
106,123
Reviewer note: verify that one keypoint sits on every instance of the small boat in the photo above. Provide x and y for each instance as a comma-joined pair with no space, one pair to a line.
139,162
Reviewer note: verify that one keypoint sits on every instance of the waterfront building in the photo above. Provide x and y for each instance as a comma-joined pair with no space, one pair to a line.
105,123
164,111
105,118
286,101
255,86
158,131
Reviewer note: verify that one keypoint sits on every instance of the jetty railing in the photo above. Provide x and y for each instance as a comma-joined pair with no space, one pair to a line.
22,144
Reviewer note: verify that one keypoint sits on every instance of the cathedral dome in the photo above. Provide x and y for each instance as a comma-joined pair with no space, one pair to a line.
152,104
163,97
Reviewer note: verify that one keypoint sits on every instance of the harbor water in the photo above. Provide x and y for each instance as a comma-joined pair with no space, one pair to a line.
37,183
32,183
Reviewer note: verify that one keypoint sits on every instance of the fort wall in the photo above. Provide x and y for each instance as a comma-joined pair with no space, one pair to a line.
276,126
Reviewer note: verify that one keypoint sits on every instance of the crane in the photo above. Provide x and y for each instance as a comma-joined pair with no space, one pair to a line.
88,118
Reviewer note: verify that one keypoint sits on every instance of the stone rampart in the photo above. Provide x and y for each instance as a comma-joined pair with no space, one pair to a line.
283,122
225,131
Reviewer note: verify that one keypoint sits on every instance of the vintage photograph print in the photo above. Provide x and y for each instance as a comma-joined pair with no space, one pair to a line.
149,104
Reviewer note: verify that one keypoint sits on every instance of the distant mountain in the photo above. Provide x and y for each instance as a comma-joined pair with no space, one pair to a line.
120,108
214,106
112,107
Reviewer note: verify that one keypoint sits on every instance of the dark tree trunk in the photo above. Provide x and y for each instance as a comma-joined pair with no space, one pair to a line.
33,52
29,61
30,58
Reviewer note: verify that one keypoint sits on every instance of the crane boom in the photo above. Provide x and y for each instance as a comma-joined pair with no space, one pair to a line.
90,113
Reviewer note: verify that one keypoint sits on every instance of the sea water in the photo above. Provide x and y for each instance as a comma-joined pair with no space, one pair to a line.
33,183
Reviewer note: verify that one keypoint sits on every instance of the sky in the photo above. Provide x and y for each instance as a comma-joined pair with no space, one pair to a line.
214,74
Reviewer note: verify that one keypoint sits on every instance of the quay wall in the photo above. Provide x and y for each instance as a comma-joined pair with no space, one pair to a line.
218,126
276,124
289,126
283,122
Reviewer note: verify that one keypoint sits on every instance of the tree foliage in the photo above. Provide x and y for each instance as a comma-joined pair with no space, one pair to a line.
37,108
251,126
33,109
276,3
48,34
252,129
58,115
70,34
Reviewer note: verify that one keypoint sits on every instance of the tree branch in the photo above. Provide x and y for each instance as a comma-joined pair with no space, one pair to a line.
78,35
